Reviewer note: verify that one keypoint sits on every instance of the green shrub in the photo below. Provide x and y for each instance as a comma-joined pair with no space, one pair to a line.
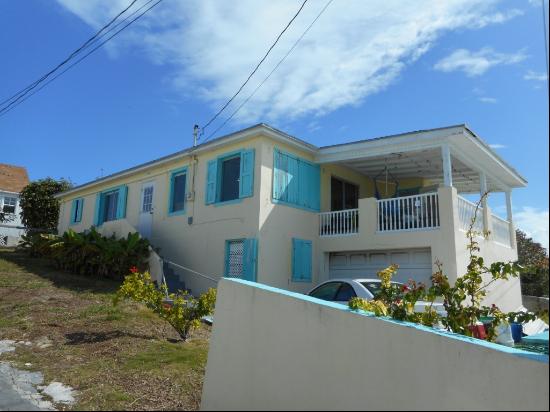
183,312
462,301
90,253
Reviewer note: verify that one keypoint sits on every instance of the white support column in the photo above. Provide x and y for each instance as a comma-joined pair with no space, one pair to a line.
447,167
510,219
482,192
483,187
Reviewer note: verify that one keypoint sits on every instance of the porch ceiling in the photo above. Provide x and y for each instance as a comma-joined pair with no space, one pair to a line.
427,164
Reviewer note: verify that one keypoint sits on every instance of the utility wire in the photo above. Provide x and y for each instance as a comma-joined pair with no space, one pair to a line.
545,41
6,109
73,54
255,69
270,73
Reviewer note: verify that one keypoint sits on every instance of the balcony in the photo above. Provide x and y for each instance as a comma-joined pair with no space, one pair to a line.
419,213
401,214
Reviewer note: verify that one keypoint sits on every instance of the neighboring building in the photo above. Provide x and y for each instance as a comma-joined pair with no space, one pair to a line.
12,180
265,206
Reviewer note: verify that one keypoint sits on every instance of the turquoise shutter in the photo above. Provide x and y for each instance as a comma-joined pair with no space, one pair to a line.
250,257
292,180
246,182
301,260
310,186
97,212
121,205
73,211
212,174
277,175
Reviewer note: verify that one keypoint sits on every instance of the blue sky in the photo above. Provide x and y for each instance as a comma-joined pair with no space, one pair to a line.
366,69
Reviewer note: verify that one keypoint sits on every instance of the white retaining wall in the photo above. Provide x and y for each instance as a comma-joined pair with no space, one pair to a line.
273,349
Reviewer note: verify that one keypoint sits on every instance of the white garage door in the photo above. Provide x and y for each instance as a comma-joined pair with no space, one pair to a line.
413,264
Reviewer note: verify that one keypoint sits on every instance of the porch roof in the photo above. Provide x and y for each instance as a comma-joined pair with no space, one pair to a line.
418,154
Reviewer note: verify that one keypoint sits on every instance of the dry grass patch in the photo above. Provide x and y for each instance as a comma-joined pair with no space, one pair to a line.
120,357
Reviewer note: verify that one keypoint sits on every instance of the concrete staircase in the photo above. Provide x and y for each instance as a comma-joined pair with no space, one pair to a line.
173,279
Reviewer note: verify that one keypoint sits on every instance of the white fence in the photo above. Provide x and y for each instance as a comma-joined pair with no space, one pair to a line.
501,230
466,212
418,212
339,223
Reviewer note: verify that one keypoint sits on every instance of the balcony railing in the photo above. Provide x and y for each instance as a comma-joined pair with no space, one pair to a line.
501,230
339,223
466,212
408,213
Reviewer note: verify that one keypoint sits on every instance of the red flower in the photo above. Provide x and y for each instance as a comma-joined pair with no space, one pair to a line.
404,288
133,269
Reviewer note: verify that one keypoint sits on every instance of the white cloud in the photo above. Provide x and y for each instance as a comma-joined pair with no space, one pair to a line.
497,146
536,76
356,48
491,100
476,63
534,222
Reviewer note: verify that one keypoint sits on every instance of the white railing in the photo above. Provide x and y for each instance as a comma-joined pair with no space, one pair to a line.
408,213
466,212
501,230
339,223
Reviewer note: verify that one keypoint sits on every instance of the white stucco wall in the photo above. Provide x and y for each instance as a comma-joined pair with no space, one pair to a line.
276,350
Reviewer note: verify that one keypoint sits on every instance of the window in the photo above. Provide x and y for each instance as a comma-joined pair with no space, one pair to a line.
345,293
230,173
326,291
343,195
110,205
147,201
301,260
241,259
9,205
230,177
178,187
296,182
76,210
375,287
235,264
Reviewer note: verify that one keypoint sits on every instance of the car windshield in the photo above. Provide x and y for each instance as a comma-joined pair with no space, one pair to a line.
374,287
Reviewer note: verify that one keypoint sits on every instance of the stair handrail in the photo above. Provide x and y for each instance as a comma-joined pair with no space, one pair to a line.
189,270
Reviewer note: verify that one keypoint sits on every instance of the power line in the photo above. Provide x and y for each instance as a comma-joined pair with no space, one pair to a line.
545,40
73,54
270,73
6,109
255,69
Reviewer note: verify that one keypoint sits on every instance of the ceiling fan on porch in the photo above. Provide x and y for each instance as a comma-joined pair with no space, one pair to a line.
387,175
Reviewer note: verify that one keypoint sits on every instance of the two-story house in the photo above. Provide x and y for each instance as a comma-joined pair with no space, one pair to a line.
265,206
12,180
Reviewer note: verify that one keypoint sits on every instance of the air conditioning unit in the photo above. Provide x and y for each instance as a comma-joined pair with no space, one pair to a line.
190,195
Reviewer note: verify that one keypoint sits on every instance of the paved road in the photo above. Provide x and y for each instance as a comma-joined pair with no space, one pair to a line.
10,399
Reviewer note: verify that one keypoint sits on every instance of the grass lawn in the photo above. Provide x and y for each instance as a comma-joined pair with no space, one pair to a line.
120,357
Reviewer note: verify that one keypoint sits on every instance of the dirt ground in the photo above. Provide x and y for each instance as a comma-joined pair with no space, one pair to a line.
120,357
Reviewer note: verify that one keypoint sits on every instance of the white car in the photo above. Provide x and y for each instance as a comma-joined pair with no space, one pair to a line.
342,290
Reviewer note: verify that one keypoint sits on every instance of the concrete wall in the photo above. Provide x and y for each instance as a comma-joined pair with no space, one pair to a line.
276,350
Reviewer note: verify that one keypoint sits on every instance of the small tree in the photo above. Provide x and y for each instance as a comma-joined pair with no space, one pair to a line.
182,312
534,258
39,208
